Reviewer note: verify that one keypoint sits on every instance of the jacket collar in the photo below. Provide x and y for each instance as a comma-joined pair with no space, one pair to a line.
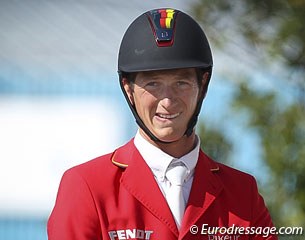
205,189
139,181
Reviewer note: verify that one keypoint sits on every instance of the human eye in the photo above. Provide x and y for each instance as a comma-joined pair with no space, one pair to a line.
182,83
152,84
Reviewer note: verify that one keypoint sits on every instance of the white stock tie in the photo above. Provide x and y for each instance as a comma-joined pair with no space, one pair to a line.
176,175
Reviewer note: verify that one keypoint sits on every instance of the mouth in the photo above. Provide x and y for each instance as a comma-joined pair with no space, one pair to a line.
168,116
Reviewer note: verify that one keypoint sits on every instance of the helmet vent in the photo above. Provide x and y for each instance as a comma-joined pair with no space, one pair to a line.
163,24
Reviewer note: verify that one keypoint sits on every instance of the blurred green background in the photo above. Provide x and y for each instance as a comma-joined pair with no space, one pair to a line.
269,83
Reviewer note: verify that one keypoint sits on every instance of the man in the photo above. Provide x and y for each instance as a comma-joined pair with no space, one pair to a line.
160,185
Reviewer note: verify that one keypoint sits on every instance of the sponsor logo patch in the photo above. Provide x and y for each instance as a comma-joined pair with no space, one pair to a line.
130,234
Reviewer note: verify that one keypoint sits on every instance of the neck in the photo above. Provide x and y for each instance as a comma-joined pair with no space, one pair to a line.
175,149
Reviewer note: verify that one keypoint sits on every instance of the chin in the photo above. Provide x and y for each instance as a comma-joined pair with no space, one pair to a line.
168,136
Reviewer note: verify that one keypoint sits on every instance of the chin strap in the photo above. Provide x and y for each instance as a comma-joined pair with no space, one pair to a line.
136,115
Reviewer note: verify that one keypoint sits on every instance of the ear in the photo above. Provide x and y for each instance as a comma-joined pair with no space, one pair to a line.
204,84
128,89
205,78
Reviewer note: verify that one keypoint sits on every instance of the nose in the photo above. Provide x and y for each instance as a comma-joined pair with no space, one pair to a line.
167,103
168,97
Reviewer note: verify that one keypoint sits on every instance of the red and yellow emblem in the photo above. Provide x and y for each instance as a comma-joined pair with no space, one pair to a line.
166,18
163,23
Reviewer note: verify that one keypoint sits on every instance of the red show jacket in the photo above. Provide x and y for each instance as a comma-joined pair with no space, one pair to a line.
116,197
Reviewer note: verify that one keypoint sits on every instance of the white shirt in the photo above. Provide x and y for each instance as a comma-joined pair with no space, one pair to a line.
158,161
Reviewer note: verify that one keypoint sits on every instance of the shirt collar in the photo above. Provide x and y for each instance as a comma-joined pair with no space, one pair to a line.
158,161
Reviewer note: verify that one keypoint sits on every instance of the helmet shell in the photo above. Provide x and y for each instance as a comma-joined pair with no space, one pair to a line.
143,49
163,39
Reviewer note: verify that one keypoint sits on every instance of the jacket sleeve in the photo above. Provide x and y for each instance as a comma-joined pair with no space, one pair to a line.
74,216
261,219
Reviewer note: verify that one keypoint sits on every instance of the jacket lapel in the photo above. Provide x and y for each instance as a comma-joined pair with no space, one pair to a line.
140,182
205,188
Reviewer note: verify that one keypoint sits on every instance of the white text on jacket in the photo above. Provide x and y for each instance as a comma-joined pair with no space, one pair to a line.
130,234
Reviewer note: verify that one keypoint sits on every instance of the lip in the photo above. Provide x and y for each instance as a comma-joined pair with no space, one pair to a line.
165,116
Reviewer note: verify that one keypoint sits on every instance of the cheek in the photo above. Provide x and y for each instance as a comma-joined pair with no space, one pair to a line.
192,100
145,103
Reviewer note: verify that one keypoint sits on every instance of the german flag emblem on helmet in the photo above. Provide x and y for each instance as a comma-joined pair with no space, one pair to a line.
163,23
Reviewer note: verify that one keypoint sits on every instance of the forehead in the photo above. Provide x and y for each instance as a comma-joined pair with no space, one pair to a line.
181,73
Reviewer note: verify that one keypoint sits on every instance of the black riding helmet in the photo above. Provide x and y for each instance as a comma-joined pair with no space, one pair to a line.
164,39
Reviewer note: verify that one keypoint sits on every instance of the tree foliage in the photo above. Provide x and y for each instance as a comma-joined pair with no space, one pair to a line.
282,133
272,31
215,144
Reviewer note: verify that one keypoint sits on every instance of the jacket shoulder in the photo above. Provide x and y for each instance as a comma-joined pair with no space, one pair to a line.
228,171
223,168
103,168
230,175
